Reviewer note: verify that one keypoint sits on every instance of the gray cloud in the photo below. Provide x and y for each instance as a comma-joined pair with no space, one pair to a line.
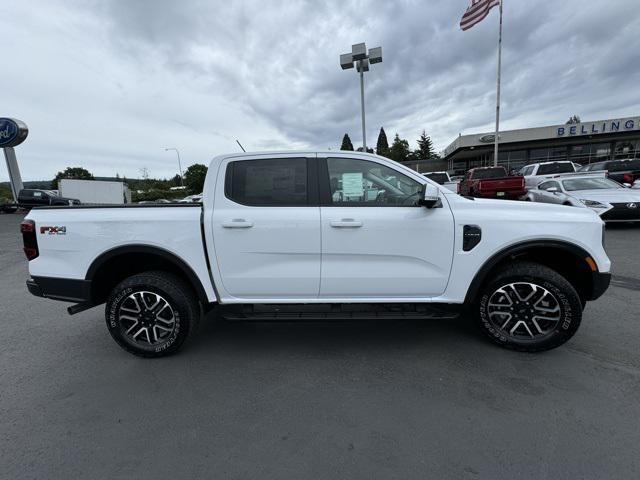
109,84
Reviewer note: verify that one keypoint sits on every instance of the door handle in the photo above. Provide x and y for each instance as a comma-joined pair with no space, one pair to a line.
346,223
237,223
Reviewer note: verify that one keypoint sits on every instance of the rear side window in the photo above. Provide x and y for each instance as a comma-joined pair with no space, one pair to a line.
559,167
486,173
273,182
440,178
548,185
623,165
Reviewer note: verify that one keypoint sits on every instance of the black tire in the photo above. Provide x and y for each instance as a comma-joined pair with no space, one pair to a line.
549,318
166,327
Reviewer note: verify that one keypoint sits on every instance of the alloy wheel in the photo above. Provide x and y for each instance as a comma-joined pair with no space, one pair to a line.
524,310
146,318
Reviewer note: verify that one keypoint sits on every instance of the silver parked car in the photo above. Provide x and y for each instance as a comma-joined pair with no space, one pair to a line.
612,201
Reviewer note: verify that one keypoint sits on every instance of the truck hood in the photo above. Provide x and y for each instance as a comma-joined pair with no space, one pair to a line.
532,211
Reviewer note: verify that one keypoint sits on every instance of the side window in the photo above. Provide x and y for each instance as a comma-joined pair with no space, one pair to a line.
273,182
363,183
527,171
548,185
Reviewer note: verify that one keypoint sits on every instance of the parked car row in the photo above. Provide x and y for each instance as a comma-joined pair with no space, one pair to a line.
610,188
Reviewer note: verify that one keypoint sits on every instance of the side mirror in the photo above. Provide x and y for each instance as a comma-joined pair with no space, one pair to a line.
429,197
553,190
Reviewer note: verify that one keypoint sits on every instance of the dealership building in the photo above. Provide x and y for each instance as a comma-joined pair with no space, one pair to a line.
582,143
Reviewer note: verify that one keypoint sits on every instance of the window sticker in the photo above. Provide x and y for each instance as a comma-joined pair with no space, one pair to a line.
352,184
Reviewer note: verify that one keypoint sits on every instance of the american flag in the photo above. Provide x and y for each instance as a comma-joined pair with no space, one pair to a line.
476,12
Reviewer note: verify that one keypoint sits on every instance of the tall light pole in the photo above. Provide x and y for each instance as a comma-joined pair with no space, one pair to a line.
361,59
179,165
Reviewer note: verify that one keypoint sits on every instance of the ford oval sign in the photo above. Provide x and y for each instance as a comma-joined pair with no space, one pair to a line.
12,132
489,138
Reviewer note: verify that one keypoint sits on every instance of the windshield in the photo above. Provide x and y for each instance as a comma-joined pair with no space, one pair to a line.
559,167
440,178
497,172
589,184
624,165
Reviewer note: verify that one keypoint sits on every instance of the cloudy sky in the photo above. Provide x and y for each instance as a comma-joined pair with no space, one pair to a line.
108,84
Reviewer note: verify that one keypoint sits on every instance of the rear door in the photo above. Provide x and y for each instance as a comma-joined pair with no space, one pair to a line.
266,227
376,242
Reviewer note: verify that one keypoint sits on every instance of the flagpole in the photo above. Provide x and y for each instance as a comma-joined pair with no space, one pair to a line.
495,153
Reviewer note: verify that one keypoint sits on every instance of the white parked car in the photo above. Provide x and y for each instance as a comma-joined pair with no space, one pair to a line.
612,201
273,240
442,178
537,172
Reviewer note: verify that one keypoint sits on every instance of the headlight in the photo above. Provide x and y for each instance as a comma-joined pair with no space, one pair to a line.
592,204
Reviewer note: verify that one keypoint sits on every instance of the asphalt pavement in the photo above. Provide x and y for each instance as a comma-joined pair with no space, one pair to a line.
367,399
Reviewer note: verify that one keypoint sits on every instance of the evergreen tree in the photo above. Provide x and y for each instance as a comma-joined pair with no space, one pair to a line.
425,149
399,150
346,143
382,147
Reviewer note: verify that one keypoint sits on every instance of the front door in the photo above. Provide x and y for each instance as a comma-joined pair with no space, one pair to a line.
266,228
376,241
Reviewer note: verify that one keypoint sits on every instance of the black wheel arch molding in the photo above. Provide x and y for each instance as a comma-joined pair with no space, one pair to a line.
594,286
87,292
145,249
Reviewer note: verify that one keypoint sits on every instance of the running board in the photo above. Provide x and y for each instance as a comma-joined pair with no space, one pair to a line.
350,311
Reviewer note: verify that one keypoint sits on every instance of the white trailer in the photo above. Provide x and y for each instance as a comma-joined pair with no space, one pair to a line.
95,191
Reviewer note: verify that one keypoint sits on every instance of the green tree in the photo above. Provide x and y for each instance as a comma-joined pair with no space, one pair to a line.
382,147
399,151
6,196
175,181
346,143
425,149
77,173
194,178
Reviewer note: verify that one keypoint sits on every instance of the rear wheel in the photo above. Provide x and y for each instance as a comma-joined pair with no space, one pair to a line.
152,314
529,307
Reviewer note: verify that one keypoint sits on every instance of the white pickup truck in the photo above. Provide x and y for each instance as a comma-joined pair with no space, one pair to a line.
310,235
536,173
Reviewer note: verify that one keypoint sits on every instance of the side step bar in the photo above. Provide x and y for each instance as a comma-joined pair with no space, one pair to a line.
352,311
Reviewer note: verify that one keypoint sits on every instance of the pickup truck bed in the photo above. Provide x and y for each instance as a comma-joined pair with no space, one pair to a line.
172,228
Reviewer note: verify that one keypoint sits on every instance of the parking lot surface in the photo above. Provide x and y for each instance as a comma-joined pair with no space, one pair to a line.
378,399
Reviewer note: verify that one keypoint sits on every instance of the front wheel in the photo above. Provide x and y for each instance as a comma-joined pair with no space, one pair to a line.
152,314
529,307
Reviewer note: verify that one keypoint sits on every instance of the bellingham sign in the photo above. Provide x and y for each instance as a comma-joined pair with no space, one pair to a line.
595,128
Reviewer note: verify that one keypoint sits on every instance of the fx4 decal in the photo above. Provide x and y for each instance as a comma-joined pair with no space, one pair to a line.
53,230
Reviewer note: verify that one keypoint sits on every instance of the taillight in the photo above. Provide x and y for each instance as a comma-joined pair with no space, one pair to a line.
29,240
627,178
